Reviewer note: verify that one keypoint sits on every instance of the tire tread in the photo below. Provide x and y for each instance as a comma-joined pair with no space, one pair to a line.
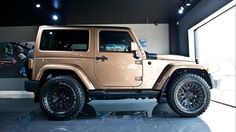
171,92
79,92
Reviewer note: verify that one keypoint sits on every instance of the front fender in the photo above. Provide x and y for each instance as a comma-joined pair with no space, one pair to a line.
171,68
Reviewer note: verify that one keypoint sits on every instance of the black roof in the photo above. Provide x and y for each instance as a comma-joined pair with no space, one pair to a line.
24,12
86,26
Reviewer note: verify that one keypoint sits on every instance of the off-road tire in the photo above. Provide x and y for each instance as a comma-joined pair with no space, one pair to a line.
62,98
188,95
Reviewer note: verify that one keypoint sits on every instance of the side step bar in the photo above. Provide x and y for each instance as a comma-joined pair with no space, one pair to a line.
124,94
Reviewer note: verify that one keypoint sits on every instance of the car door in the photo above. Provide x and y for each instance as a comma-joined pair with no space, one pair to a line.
115,64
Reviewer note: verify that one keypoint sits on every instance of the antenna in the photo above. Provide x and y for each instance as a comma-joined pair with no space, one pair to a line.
148,33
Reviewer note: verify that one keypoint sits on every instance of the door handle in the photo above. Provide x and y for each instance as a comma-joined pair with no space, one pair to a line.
101,58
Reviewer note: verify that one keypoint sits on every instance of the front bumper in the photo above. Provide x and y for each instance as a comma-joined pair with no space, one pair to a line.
31,86
215,82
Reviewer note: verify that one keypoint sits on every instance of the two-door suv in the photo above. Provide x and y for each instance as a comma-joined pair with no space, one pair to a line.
70,66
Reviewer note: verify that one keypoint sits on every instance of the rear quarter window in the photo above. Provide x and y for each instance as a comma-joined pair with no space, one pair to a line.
65,40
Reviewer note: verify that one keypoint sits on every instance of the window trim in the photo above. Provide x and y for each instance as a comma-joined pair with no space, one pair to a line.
69,29
112,30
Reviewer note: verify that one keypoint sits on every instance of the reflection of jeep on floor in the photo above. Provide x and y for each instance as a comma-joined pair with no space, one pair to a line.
73,65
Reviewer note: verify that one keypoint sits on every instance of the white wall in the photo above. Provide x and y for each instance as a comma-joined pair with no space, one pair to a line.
214,42
157,37
15,34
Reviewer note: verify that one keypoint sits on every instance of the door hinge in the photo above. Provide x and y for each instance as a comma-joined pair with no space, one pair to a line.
140,78
138,62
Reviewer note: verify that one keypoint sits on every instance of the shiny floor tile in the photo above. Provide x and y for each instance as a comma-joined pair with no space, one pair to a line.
22,115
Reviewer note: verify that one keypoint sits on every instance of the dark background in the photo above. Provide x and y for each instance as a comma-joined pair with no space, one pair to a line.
8,68
15,13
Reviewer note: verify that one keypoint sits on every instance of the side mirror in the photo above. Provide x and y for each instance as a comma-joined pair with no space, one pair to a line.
134,46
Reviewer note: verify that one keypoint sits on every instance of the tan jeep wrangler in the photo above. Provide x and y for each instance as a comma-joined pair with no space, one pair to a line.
70,66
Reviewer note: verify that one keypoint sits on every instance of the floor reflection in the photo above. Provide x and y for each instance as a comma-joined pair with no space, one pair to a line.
159,110
104,116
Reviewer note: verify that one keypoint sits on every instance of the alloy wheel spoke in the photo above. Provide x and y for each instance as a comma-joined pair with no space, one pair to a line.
191,96
60,99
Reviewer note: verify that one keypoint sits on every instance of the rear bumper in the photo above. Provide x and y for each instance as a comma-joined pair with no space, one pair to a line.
31,86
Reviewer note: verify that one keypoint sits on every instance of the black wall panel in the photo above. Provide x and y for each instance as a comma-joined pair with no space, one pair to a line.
201,11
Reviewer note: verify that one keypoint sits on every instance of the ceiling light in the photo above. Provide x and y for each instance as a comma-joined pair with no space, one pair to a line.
181,8
37,5
56,4
180,11
188,4
55,17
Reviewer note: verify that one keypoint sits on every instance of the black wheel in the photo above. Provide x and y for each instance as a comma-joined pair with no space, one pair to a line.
188,95
62,98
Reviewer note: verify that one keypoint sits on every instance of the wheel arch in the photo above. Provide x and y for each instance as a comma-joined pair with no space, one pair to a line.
171,71
48,72
200,72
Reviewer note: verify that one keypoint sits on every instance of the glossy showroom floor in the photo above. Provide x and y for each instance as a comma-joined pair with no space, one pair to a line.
22,115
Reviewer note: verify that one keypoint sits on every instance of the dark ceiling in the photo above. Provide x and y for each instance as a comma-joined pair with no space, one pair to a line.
24,12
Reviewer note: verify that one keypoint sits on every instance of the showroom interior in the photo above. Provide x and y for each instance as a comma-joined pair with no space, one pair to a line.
203,30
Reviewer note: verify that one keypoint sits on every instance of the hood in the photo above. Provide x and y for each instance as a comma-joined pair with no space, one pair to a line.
174,58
